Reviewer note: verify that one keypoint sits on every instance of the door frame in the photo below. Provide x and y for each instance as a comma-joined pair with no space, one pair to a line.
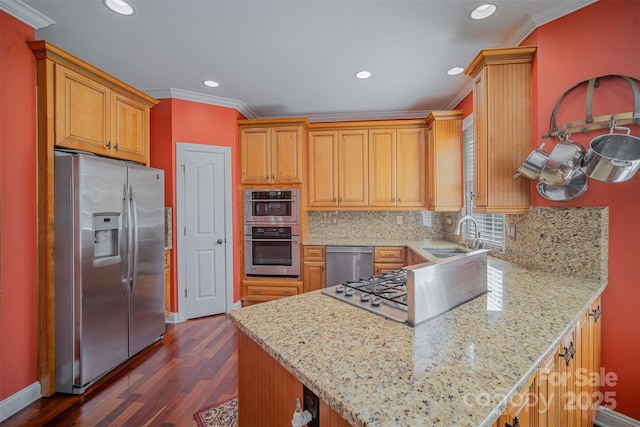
181,149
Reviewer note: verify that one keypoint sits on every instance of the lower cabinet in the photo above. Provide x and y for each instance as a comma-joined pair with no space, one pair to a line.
565,390
257,290
314,274
388,258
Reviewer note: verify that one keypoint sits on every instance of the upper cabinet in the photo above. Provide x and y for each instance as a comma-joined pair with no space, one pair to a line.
89,110
338,168
502,128
377,165
444,164
396,167
271,151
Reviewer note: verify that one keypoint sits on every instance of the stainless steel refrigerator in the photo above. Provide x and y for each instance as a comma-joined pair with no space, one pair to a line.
109,265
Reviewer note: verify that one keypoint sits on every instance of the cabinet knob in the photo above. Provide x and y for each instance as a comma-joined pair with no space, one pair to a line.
399,199
596,313
116,147
109,145
273,177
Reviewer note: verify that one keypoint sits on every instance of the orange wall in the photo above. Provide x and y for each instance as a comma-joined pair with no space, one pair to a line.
18,297
600,39
175,120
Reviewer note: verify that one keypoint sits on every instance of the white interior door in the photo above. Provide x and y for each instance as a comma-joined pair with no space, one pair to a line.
205,285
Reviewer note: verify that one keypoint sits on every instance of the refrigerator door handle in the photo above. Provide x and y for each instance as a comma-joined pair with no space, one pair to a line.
127,238
134,227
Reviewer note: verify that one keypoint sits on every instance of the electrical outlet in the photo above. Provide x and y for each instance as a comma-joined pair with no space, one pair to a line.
399,220
448,221
512,231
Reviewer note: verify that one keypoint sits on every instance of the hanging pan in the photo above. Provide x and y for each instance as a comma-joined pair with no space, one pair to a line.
613,157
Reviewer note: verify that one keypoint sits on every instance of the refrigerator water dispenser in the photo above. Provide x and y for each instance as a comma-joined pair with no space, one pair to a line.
106,227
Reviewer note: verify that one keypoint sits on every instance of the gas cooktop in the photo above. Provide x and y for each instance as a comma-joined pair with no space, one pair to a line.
384,294
416,294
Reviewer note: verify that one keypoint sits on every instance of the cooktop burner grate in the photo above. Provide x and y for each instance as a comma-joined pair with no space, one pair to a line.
384,294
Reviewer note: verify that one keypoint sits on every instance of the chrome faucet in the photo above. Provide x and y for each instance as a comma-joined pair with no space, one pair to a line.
478,243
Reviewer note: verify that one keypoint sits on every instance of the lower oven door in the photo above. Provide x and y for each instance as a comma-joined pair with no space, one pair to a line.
272,256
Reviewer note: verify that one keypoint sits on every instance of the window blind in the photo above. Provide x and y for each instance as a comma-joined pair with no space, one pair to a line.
491,225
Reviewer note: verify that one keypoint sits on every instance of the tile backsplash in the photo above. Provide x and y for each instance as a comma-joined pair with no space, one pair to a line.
374,224
557,240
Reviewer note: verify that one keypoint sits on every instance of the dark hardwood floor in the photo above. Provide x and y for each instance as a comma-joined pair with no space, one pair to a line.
193,366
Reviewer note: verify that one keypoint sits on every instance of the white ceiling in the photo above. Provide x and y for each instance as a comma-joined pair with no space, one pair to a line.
283,58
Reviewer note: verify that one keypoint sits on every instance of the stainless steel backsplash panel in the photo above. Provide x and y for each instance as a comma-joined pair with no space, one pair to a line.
436,288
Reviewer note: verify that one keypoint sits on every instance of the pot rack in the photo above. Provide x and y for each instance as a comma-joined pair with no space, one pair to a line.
599,122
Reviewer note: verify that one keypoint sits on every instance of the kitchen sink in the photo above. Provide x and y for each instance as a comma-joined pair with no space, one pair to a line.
445,252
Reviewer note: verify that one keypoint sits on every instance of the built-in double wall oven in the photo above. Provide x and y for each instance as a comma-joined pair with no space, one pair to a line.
271,233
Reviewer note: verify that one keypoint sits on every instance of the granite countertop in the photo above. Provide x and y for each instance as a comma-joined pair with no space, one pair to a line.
459,369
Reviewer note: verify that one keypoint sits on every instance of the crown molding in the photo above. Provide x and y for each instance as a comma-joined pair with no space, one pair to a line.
379,115
201,98
532,21
26,14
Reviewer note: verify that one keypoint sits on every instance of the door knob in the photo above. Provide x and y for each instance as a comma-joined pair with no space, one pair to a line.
219,241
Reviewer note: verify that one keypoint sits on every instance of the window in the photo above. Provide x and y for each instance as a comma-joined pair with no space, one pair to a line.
491,225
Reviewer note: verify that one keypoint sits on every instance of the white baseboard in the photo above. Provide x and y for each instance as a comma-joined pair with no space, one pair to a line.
610,418
20,400
171,318
237,305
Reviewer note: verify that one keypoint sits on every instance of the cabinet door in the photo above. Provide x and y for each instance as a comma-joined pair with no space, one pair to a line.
314,275
548,392
255,155
594,357
353,168
83,114
286,155
382,167
480,141
524,406
444,172
410,168
323,168
567,374
130,136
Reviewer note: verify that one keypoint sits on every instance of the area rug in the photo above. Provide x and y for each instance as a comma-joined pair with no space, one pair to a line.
222,414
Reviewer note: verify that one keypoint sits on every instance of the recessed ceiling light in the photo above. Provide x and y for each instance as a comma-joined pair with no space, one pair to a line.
210,83
363,74
455,71
483,11
119,6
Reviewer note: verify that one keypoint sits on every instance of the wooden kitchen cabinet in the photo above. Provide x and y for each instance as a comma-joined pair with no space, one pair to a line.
258,289
374,165
445,179
271,151
502,128
396,167
338,168
314,264
388,258
90,110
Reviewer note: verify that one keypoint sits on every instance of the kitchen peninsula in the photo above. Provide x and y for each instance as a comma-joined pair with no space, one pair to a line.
462,368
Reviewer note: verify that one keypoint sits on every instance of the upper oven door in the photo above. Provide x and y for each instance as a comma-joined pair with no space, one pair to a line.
274,206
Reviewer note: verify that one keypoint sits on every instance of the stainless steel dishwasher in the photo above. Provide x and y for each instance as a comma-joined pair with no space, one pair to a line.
348,263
